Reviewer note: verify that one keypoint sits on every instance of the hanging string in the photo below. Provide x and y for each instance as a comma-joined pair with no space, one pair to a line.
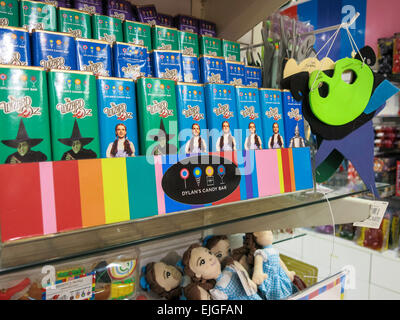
333,234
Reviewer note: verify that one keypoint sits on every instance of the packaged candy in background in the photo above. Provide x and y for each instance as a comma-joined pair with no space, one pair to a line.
253,76
38,15
158,129
327,229
54,50
346,231
293,120
187,23
119,9
9,13
138,33
165,20
76,22
15,46
192,122
397,178
385,56
74,116
107,28
117,117
376,239
165,38
130,60
207,28
235,73
231,50
94,56
92,7
385,169
24,115
189,43
396,54
212,69
191,68
211,46
394,225
147,14
167,64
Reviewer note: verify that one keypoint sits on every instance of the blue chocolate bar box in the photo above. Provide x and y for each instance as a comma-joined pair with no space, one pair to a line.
294,121
130,60
212,69
167,64
94,56
15,47
191,71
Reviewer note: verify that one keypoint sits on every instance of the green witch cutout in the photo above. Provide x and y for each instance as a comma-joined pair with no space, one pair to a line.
77,142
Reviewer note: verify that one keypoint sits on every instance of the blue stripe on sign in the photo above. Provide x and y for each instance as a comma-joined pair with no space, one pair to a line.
322,290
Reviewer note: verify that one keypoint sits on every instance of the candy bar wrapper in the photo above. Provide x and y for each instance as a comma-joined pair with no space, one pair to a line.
192,123
272,118
120,9
38,15
138,33
15,46
165,20
117,117
130,61
74,116
212,69
94,56
249,118
167,64
93,7
165,38
207,28
9,13
187,23
253,76
78,23
210,46
147,14
157,112
54,50
221,116
231,50
189,43
294,121
107,28
24,115
191,68
235,73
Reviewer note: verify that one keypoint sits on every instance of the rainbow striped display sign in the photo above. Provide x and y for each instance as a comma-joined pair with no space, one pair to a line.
70,195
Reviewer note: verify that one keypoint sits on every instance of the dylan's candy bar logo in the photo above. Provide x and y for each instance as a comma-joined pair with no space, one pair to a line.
89,9
236,82
188,51
22,106
97,68
14,60
160,108
164,46
76,107
118,15
231,58
249,112
132,71
109,38
273,113
54,63
253,85
171,74
295,114
137,41
119,111
76,33
36,26
223,109
193,112
54,3
3,22
215,78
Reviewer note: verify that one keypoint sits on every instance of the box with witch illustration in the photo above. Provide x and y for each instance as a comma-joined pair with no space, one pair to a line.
212,69
165,38
38,15
15,46
191,68
235,73
119,9
9,13
192,123
157,116
24,115
107,28
130,60
294,121
117,117
249,118
54,50
189,43
92,7
221,116
94,56
74,116
253,76
138,33
167,64
76,22
272,118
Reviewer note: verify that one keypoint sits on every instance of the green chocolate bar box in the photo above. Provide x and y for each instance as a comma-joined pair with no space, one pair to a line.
38,15
9,15
74,118
165,38
138,33
107,28
157,116
24,115
76,22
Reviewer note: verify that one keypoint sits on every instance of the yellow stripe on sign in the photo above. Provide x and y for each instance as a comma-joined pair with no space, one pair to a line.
115,185
280,168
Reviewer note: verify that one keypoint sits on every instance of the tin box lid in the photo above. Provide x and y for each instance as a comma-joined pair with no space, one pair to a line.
190,84
39,2
92,40
210,56
74,10
171,51
138,22
205,36
194,33
190,55
106,17
220,84
226,40
253,67
114,78
64,34
235,62
169,28
154,78
21,67
72,71
130,44
245,87
14,28
269,89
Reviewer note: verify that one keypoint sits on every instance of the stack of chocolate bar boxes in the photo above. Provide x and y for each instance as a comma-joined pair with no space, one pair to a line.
91,82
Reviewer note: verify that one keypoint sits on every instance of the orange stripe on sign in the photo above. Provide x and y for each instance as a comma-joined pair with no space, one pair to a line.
286,170
92,195
292,176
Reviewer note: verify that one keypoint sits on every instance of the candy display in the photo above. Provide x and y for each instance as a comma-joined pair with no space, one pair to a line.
165,38
293,121
38,15
212,69
9,13
235,73
76,22
130,61
231,50
107,28
211,46
147,14
253,76
189,43
187,23
138,33
165,20
207,28
167,64
15,47
191,68
94,56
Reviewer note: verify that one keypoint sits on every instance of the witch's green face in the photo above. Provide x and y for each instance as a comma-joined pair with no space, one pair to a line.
23,148
335,101
76,146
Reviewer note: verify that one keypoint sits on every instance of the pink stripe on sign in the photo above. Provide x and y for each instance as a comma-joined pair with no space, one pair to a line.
267,173
160,192
48,200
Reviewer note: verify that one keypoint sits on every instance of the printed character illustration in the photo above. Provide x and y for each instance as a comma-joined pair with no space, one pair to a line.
163,147
121,147
253,141
24,144
226,142
196,144
276,140
77,142
297,141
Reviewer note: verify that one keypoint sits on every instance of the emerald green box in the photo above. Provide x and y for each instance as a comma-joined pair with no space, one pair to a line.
107,28
231,50
74,115
157,116
189,43
165,38
38,15
138,33
76,22
210,46
24,115
9,15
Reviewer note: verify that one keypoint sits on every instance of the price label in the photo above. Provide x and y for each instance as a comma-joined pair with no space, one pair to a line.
376,212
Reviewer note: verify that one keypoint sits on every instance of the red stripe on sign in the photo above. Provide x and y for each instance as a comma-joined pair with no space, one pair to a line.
20,198
313,294
330,285
286,170
67,195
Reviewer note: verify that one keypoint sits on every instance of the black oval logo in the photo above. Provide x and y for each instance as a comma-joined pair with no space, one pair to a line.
201,179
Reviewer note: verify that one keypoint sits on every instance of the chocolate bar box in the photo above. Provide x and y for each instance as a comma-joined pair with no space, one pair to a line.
9,13
38,15
76,22
138,33
107,28
167,64
130,60
94,56
15,46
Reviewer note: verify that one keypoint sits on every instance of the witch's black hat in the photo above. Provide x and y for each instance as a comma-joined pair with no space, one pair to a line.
22,136
76,135
162,133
